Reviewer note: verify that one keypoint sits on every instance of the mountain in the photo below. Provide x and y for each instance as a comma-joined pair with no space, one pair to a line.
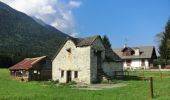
21,36
39,21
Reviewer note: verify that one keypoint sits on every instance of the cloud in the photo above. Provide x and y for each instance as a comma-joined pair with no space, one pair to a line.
74,4
54,12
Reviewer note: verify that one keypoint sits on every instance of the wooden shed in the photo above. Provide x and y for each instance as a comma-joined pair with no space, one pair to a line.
38,68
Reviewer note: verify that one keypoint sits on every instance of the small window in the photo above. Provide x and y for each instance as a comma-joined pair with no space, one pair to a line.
62,73
69,50
143,62
18,74
75,74
128,62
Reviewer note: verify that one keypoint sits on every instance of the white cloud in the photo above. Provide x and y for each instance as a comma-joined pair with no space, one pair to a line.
74,4
54,12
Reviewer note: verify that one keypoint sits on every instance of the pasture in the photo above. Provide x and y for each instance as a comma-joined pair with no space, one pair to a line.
135,89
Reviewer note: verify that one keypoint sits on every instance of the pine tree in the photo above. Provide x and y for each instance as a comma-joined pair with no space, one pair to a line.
106,41
164,48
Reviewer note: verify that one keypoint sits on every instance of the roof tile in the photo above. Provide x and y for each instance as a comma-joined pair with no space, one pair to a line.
146,52
26,63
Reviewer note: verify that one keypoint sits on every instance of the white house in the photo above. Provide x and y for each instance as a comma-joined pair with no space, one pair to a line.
84,60
136,57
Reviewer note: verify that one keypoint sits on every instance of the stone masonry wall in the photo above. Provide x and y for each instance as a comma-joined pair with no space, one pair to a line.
77,60
96,46
110,67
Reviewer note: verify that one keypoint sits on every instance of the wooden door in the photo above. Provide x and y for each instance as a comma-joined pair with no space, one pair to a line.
68,76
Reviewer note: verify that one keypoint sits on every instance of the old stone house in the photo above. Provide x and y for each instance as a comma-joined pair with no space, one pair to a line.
84,60
38,68
136,57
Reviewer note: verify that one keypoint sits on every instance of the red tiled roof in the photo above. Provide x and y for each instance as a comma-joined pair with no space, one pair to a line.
26,63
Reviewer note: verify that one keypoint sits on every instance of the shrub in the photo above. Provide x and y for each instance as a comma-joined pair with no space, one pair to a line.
158,62
72,83
54,82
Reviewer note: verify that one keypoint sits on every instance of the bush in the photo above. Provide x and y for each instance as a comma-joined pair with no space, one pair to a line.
158,62
54,82
72,83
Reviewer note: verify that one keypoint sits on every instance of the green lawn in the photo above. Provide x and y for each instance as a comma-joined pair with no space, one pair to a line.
135,90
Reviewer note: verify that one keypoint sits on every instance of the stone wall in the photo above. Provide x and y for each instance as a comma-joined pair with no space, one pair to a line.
80,59
96,46
76,60
110,67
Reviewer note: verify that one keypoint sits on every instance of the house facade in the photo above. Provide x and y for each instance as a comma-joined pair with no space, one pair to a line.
136,57
38,68
82,60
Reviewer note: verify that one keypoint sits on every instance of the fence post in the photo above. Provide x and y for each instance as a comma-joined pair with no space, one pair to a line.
151,87
161,75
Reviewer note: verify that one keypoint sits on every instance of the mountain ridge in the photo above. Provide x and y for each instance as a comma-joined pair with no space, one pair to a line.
21,36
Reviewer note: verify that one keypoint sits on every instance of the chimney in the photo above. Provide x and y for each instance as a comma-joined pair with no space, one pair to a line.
125,45
137,51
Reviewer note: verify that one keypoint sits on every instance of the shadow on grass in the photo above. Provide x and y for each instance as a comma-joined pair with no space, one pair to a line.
130,78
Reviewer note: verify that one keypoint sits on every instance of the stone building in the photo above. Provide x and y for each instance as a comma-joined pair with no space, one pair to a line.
136,57
38,68
84,60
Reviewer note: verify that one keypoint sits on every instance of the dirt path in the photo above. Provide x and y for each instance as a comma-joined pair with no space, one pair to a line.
99,86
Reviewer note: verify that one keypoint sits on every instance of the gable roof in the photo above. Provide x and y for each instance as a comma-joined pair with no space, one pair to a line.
88,41
145,52
26,63
79,42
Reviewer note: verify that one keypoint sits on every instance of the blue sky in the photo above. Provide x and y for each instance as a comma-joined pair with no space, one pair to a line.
137,20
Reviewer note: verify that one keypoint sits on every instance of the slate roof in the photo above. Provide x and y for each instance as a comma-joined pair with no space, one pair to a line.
79,42
111,55
145,52
26,63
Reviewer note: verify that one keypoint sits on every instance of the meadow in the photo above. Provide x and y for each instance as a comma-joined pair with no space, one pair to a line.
135,89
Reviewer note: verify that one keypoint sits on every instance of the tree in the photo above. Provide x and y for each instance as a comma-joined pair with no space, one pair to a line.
164,47
106,41
5,61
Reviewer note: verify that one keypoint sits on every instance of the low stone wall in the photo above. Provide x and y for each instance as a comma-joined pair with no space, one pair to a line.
110,67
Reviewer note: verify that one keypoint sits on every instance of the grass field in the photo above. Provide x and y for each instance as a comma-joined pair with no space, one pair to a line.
135,90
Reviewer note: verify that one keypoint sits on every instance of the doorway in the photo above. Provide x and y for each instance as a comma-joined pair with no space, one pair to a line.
99,67
68,76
